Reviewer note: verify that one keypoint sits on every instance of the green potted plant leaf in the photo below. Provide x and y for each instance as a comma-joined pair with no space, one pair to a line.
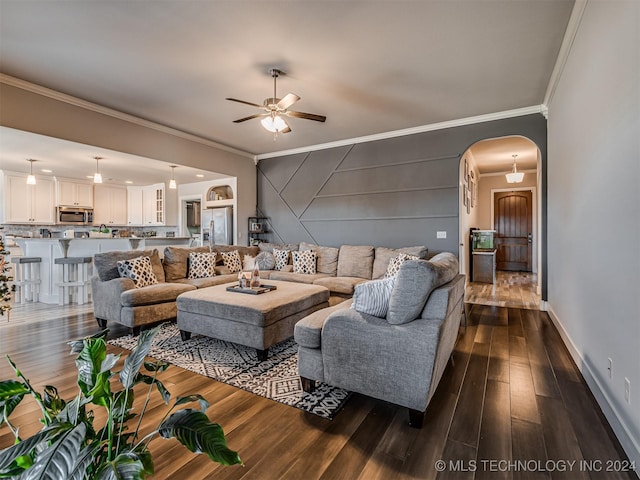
71,447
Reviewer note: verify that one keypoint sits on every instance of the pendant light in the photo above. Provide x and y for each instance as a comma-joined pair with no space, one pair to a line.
97,177
514,176
172,182
31,180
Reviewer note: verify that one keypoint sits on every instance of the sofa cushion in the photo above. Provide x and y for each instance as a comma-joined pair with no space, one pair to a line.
106,264
176,260
327,257
296,277
343,285
266,261
395,262
355,261
153,294
242,251
202,264
209,281
304,262
248,262
139,270
269,247
383,255
232,260
308,331
372,297
415,281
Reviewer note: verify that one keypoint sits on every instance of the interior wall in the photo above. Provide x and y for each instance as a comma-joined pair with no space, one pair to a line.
393,192
33,112
593,205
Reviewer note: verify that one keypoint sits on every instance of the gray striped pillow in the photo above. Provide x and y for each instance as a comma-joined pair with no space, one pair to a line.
373,297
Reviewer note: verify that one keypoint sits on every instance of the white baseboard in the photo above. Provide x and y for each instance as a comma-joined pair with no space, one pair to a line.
628,442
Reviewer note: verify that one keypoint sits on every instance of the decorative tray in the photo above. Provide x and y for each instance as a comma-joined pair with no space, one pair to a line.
252,290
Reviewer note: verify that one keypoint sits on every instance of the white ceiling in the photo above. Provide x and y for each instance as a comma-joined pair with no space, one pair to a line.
369,66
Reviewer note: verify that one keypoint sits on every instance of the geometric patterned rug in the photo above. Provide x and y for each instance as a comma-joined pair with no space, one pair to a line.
236,365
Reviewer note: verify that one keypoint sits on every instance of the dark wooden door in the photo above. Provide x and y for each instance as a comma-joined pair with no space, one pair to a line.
513,220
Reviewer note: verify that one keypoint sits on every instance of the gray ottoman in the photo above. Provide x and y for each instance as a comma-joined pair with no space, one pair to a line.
257,321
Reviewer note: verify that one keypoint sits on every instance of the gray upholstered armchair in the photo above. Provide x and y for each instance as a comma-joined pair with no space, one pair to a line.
117,299
399,358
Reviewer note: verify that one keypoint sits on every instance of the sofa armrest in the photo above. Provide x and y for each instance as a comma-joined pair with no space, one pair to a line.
368,355
106,297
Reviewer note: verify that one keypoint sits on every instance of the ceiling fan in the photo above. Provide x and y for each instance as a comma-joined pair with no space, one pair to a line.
276,108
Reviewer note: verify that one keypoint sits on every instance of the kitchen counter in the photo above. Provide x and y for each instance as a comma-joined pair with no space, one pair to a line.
51,248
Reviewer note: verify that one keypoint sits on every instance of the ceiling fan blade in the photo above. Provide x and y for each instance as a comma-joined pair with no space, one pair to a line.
288,100
246,103
250,117
308,116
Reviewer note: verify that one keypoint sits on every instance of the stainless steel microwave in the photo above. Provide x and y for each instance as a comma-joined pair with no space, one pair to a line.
74,215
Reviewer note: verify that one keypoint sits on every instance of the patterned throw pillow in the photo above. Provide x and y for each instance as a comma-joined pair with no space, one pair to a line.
373,297
202,264
282,258
232,261
266,261
395,262
304,262
139,270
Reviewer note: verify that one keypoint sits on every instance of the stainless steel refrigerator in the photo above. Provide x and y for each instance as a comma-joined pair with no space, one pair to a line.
217,226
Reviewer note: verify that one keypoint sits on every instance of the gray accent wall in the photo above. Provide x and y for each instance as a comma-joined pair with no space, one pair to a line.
393,192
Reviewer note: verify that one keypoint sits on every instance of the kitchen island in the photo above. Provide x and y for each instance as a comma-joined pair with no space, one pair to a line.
51,248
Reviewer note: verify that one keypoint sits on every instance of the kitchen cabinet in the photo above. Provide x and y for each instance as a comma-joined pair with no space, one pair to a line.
109,205
146,205
29,203
73,193
153,201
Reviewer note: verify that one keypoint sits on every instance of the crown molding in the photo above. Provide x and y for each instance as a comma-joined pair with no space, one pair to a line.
519,112
94,107
565,49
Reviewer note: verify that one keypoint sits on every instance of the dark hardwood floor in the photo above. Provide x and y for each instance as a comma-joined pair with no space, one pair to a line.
511,405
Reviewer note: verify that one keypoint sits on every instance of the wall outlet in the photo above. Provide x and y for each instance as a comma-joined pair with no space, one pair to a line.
441,235
627,390
610,367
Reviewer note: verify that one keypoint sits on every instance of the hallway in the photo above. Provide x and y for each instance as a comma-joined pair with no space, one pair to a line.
512,289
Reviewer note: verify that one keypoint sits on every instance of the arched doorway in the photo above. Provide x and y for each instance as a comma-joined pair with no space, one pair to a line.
488,202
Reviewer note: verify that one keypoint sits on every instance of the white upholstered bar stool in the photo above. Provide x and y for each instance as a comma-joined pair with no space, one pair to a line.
27,278
73,279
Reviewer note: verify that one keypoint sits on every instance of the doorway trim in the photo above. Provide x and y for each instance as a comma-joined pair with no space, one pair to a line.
182,218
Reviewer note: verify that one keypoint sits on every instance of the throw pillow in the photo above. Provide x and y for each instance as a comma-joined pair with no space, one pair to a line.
304,262
266,261
395,262
139,270
248,262
282,258
232,261
373,297
202,264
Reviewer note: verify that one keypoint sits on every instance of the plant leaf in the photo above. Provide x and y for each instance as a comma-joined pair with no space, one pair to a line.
157,366
78,345
142,378
7,406
135,359
9,388
193,429
84,459
204,404
93,382
8,455
126,466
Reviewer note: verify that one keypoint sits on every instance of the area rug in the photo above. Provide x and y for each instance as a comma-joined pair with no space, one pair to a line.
276,378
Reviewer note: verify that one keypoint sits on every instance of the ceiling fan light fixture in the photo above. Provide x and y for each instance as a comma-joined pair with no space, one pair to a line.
97,177
31,179
274,124
514,176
